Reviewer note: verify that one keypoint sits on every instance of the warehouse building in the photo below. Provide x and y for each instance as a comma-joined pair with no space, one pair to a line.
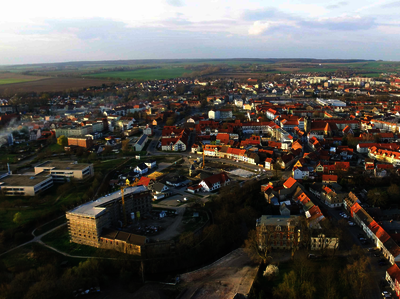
86,222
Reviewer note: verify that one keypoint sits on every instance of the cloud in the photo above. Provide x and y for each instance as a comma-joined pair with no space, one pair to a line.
264,14
343,23
84,29
391,5
261,28
176,3
337,5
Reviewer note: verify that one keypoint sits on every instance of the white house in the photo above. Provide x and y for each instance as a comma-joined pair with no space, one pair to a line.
159,188
173,144
214,114
141,168
269,164
214,182
151,164
139,145
299,173
148,131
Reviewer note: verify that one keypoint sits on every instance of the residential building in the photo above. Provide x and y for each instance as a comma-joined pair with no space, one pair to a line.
139,145
215,182
141,169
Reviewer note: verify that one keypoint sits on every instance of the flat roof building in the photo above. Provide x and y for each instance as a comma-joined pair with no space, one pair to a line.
25,185
86,222
65,170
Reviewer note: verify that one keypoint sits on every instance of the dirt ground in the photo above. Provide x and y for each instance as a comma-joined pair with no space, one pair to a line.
232,274
52,84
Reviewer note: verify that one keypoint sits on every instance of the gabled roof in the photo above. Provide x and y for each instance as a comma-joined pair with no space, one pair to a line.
394,272
216,178
142,166
289,183
158,187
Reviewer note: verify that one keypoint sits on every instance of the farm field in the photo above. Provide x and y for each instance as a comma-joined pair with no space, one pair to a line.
145,74
12,78
52,84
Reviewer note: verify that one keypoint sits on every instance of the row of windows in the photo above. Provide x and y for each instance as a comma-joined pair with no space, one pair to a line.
80,235
116,242
281,243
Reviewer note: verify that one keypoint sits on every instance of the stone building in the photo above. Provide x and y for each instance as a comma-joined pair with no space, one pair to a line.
278,232
122,241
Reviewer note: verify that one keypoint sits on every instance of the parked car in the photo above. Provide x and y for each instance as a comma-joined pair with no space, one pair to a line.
386,294
351,223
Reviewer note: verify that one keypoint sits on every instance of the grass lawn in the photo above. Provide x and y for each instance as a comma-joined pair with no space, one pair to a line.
45,228
56,148
6,217
105,166
145,74
8,158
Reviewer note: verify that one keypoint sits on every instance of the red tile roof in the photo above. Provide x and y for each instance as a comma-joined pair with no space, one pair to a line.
331,178
289,183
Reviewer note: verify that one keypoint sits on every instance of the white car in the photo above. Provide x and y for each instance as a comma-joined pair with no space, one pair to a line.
351,223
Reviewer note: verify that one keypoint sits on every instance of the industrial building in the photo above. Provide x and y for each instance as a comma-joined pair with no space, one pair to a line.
86,222
62,171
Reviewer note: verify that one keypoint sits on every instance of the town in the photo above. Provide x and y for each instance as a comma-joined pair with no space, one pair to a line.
265,173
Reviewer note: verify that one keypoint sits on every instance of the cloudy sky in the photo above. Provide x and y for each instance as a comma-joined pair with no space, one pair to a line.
47,31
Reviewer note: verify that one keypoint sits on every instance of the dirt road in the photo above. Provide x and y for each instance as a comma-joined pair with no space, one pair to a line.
234,273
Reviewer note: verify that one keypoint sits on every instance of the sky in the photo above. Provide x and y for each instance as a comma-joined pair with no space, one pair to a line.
45,31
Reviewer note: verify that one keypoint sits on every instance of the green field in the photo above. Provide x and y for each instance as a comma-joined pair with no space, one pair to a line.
145,74
318,70
10,81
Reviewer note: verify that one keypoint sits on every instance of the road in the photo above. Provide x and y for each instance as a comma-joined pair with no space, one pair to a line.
152,148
